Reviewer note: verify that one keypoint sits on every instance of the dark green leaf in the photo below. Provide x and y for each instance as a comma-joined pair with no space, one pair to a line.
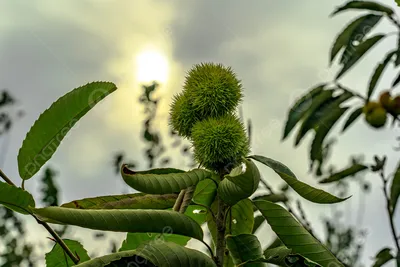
15,198
358,34
239,184
358,53
395,188
244,247
283,256
294,235
163,181
133,221
58,258
354,169
52,126
272,197
127,201
364,5
378,73
383,257
258,221
134,240
161,254
205,192
396,81
306,191
397,60
352,118
324,127
300,108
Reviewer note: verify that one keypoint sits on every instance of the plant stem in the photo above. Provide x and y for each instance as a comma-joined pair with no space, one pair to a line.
221,227
390,215
64,246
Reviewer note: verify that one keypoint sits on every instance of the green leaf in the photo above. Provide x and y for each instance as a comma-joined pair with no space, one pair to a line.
239,184
317,116
306,191
53,125
395,188
324,127
258,221
133,221
127,201
16,198
58,258
283,256
161,254
276,243
383,257
242,221
294,235
364,5
397,2
300,108
205,192
358,53
272,197
365,25
163,181
350,171
134,240
397,60
378,73
244,247
352,118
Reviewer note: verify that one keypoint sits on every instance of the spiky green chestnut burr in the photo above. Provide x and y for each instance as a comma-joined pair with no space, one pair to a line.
182,116
220,142
213,89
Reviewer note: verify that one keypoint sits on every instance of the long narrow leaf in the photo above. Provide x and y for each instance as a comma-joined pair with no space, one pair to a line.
378,73
352,118
395,188
53,125
294,235
354,169
364,5
133,221
15,198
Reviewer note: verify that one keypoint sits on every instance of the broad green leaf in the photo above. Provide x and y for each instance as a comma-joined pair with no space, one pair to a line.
161,254
323,97
239,184
350,171
395,188
244,247
378,73
317,117
53,125
242,221
383,257
163,181
58,258
127,201
197,213
306,191
300,108
358,53
134,240
324,127
294,236
133,221
283,256
258,221
352,118
16,198
364,5
205,192
358,34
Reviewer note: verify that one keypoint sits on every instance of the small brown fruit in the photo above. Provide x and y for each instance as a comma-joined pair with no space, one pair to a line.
394,106
385,98
377,117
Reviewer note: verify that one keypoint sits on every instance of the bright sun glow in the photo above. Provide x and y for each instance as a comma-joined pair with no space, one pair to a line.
151,66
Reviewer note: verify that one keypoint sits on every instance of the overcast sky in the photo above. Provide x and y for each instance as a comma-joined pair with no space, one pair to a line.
279,49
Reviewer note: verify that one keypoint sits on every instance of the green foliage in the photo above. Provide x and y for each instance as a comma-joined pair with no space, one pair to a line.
134,240
383,257
53,125
57,257
182,115
244,248
127,201
283,256
205,192
352,118
140,221
212,89
220,142
350,171
16,198
294,235
378,73
395,188
239,184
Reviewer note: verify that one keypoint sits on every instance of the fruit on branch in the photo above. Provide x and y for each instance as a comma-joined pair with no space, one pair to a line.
213,90
384,99
370,106
375,114
182,116
220,142
394,106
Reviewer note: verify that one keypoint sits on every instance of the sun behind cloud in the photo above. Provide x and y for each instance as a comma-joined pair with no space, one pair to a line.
151,65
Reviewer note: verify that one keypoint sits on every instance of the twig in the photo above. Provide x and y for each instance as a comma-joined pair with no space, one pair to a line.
5,178
390,214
